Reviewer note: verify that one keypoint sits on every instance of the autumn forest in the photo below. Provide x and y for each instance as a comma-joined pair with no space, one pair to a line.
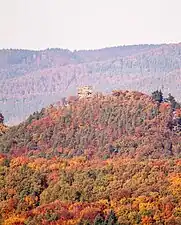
110,159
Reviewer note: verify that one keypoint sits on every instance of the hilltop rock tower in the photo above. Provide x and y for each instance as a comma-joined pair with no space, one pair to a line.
85,91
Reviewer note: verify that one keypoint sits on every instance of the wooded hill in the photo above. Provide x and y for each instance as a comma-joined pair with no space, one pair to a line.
106,160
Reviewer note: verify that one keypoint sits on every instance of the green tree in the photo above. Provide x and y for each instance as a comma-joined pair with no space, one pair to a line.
99,220
174,104
1,118
157,96
111,219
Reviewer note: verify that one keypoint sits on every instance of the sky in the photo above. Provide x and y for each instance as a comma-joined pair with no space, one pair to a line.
88,24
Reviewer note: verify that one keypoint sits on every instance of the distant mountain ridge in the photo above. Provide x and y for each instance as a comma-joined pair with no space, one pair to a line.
31,80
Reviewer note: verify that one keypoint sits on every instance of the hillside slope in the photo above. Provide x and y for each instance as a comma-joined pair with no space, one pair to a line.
31,80
106,160
97,126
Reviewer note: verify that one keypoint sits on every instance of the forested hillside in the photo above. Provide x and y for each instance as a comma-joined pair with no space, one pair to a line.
106,160
31,80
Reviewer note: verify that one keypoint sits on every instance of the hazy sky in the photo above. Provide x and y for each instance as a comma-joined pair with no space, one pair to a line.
88,24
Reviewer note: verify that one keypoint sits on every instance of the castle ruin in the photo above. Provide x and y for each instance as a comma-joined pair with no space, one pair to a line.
85,91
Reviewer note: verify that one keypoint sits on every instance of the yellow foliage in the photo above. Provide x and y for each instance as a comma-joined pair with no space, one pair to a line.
15,220
175,186
104,202
3,128
146,206
19,161
31,200
70,222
